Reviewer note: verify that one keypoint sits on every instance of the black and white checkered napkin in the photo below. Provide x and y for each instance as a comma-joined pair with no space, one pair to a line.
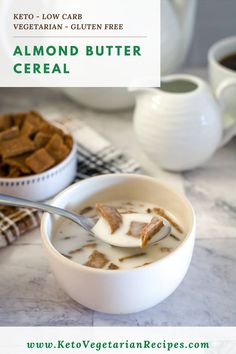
95,156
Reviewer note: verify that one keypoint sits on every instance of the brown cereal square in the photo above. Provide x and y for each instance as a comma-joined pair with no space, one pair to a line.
97,260
60,154
90,245
9,133
18,119
6,121
111,215
27,129
16,146
14,172
35,120
137,255
40,161
86,210
57,148
136,228
68,141
51,129
165,249
163,213
150,230
41,139
113,266
18,162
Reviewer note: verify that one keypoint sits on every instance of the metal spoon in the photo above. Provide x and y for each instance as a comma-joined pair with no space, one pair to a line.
85,222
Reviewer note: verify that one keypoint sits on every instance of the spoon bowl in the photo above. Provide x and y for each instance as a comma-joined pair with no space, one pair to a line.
121,237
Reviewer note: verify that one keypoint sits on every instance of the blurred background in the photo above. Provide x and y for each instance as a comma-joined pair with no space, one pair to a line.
215,19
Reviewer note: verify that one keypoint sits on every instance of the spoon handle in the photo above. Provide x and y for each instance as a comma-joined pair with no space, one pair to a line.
19,202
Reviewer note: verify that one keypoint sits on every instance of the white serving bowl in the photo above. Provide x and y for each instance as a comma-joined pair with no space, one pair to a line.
102,99
44,185
121,291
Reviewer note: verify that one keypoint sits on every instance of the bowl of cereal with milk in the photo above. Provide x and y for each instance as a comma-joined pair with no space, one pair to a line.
112,279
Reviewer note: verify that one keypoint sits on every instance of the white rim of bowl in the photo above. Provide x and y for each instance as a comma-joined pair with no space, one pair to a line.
48,244
42,174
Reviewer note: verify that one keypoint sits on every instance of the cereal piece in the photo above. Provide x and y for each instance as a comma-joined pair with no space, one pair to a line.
5,121
150,230
67,256
97,260
41,139
86,210
18,162
35,117
18,119
136,228
56,148
75,251
111,215
113,266
129,211
166,249
61,154
55,142
144,264
90,245
162,213
68,141
27,128
36,121
40,161
51,129
175,237
132,256
14,172
17,146
9,133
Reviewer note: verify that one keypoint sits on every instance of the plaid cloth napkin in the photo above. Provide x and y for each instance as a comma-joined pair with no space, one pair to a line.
95,156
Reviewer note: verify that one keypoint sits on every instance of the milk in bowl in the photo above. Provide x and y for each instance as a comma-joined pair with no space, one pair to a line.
79,246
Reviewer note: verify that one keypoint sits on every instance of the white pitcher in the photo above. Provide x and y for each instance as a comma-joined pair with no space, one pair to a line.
177,24
180,125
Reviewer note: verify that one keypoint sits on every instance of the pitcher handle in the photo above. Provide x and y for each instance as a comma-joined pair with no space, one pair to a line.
229,132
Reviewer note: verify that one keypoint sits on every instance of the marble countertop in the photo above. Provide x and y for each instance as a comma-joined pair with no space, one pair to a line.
29,294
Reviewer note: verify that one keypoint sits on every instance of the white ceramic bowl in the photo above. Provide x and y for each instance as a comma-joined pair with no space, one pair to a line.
121,291
44,185
101,99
